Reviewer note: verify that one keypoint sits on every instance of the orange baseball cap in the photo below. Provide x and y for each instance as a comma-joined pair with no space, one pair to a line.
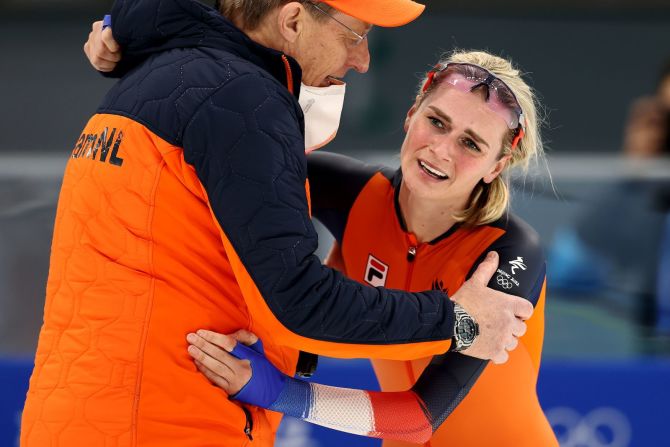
387,13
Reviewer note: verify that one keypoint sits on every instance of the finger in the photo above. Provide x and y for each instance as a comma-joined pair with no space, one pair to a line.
223,341
96,26
213,377
500,358
486,269
522,308
104,56
98,49
103,53
519,328
108,40
102,65
245,337
223,366
210,349
512,344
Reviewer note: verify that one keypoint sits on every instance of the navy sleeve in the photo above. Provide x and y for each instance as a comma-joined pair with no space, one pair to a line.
143,28
445,382
335,181
522,267
521,271
247,148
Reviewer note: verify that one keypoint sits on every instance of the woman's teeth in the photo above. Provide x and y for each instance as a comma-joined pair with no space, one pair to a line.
433,172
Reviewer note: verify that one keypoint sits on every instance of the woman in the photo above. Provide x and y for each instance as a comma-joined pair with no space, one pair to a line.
429,224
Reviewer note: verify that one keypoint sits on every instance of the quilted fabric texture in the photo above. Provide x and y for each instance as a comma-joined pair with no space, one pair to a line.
242,131
184,207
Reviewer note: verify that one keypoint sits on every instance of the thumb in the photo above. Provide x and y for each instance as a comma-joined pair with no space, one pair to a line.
249,339
244,336
486,269
108,40
523,308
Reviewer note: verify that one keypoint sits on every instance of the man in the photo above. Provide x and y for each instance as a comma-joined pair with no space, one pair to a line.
185,206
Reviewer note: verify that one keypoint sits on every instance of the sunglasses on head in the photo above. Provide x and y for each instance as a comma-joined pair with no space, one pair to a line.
499,97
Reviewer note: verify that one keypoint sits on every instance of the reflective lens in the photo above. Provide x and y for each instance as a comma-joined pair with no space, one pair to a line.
469,78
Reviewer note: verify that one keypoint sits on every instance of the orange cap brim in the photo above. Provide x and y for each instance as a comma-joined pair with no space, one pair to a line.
387,13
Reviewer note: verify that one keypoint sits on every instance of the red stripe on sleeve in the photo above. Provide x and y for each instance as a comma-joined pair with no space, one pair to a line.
400,416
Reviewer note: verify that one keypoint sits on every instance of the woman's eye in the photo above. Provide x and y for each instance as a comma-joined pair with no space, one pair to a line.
436,122
471,145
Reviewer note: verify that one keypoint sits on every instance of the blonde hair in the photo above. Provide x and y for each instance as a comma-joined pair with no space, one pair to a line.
489,201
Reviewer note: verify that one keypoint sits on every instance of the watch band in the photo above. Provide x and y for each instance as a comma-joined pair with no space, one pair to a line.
463,319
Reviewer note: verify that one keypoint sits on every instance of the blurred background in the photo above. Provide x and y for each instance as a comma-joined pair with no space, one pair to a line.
603,213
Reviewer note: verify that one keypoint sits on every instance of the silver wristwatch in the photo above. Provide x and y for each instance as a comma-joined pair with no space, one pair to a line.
466,329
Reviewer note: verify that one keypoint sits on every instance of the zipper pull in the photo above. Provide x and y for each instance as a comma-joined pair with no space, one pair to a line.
411,254
249,425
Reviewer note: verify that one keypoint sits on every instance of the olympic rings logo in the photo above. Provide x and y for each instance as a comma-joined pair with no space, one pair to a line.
503,282
602,427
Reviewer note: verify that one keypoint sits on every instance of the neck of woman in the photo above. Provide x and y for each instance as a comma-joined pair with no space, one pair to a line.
426,218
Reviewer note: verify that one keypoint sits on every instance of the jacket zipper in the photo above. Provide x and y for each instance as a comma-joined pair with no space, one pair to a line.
411,257
289,73
412,251
249,424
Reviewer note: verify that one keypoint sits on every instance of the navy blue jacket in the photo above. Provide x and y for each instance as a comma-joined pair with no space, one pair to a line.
198,82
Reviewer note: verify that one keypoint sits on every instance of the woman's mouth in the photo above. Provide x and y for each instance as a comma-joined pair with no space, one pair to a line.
432,171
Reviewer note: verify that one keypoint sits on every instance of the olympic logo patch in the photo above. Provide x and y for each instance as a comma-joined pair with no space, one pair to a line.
503,282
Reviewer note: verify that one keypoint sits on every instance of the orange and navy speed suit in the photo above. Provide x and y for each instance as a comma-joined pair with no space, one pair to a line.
184,206
358,204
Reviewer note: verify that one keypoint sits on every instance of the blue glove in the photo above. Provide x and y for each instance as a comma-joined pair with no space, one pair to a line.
106,21
266,383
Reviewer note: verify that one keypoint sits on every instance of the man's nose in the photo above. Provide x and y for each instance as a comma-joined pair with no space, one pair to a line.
359,57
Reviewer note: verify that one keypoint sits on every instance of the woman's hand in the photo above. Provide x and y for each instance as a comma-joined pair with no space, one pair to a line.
101,49
211,353
237,364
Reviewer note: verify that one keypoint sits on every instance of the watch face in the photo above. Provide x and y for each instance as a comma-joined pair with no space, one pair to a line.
466,330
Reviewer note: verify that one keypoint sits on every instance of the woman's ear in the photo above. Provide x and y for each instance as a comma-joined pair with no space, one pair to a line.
497,169
410,113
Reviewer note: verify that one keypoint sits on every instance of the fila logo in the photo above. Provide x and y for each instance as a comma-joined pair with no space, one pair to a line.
376,272
517,264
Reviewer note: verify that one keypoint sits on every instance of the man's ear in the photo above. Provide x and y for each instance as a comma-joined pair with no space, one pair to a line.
497,169
291,20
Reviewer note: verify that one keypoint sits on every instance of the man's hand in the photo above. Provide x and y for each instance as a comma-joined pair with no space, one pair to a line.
101,49
499,315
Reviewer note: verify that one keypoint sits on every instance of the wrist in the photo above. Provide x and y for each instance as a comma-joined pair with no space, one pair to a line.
466,329
266,383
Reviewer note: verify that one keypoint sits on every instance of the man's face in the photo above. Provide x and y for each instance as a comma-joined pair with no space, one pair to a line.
328,49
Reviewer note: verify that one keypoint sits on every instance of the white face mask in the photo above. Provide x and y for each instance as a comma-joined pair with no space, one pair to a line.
322,107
